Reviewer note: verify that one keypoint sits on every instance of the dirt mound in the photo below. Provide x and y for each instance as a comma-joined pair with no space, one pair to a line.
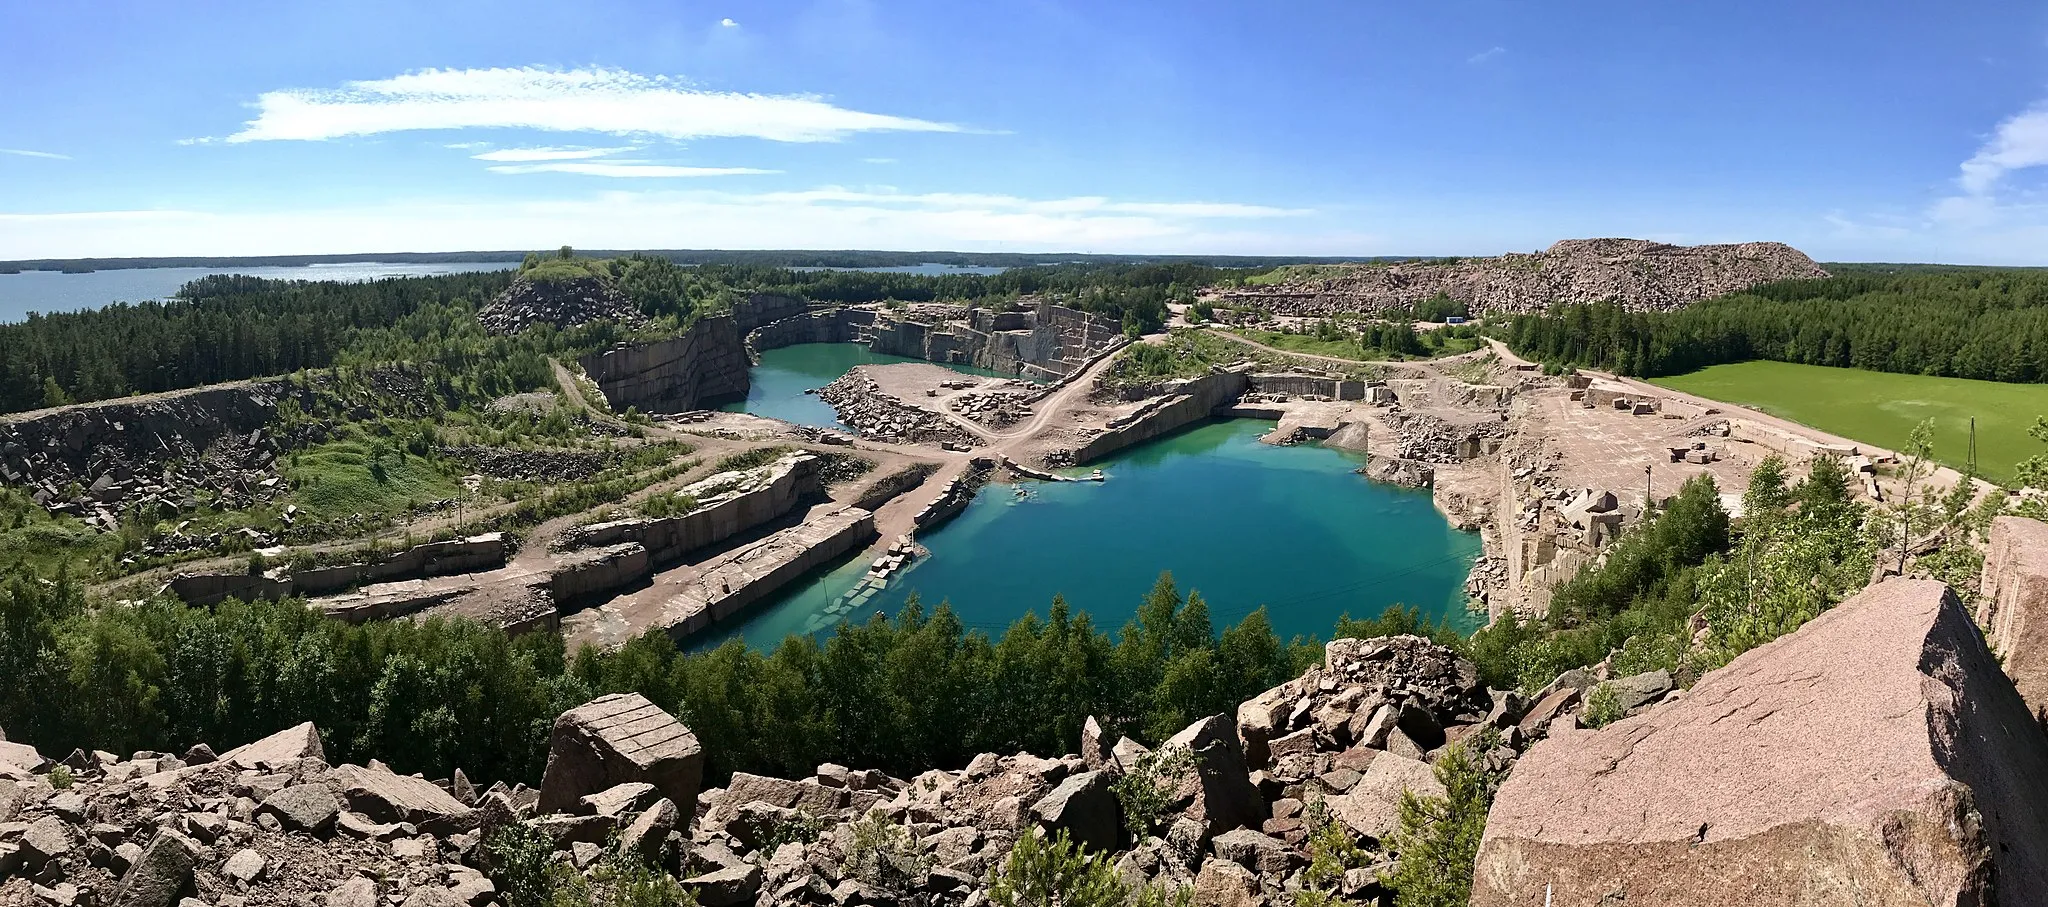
1640,274
563,303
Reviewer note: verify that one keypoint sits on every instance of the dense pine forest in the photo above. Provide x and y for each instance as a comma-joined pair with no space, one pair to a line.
1989,324
903,695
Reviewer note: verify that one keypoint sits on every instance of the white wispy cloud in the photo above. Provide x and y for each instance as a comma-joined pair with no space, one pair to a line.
2020,142
24,152
825,218
1487,55
467,146
548,154
599,100
728,23
878,160
626,169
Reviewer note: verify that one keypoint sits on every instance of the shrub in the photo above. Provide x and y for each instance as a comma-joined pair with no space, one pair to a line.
1437,843
60,777
1331,852
517,858
1148,787
883,854
1603,707
1056,873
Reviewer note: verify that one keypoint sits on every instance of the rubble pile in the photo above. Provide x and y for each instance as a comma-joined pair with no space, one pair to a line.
1640,274
157,456
562,303
878,416
274,823
995,409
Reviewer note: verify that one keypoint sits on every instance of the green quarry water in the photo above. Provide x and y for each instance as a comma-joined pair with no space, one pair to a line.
776,386
1245,523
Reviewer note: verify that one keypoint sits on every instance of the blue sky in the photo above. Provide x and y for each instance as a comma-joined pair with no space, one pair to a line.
1872,130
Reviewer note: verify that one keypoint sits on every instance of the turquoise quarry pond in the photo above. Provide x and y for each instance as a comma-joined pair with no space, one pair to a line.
1245,523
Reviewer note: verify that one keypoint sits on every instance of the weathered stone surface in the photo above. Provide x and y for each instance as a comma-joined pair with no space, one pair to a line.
282,748
620,798
1083,807
1222,883
2013,607
616,739
356,892
46,839
1875,756
1372,808
310,808
646,835
431,896
21,755
1255,851
163,871
387,797
726,887
1095,752
1220,792
245,866
1635,692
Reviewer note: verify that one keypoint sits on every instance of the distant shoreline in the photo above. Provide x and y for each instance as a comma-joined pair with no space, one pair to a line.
787,258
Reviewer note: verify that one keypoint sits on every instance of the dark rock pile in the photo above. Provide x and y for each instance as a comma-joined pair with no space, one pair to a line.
878,416
995,409
159,455
562,303
534,465
1639,274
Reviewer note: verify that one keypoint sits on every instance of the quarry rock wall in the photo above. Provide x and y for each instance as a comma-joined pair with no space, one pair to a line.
705,366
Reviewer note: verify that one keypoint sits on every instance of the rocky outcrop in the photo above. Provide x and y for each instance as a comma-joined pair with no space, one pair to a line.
705,366
445,558
729,583
725,504
2013,606
564,303
621,739
1174,404
1875,756
1639,274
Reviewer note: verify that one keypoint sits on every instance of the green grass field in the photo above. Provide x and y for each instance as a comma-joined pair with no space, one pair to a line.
1880,407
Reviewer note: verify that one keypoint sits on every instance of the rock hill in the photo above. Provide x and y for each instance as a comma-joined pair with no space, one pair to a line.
1640,274
563,302
1878,755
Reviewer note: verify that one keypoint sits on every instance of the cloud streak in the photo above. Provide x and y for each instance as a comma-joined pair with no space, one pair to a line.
594,100
823,218
626,169
2021,142
1487,56
23,152
548,154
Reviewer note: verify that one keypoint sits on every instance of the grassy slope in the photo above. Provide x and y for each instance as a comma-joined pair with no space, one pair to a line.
1881,407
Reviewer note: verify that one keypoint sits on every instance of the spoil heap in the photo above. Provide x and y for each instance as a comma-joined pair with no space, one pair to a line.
562,302
1640,274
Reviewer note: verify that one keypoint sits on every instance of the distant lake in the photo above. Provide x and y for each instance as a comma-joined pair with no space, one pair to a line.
55,291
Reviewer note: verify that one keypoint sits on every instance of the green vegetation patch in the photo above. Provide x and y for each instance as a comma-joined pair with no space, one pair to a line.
1343,346
368,477
1882,407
